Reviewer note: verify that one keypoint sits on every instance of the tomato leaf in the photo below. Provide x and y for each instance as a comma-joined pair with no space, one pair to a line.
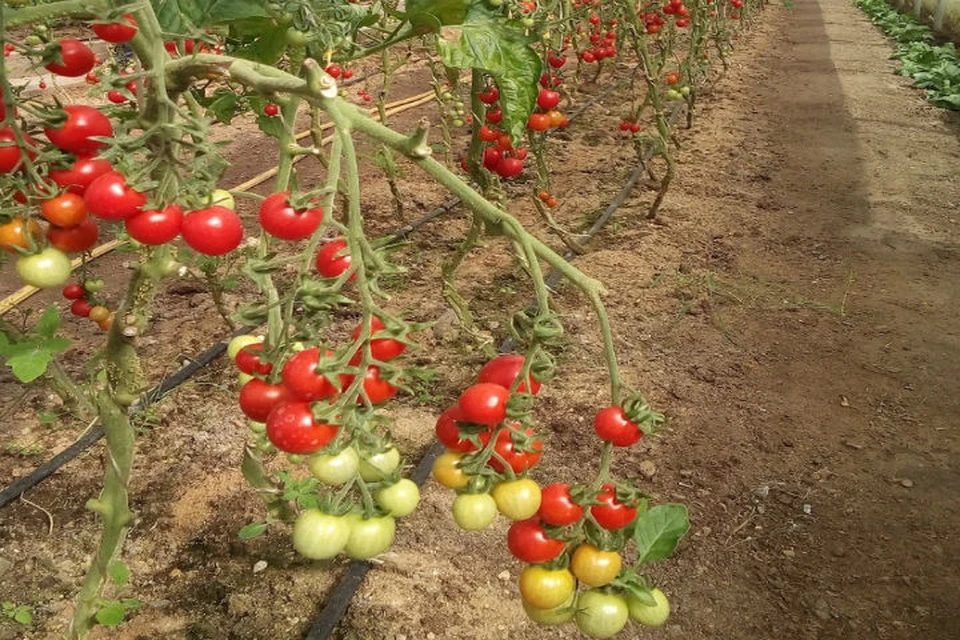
22,615
501,48
49,322
268,48
436,13
111,613
184,16
658,531
270,126
253,530
119,573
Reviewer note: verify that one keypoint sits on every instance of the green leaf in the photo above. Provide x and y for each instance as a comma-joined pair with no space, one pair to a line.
437,13
253,530
111,613
29,366
186,16
658,531
490,43
119,573
49,322
270,126
23,615
268,48
223,105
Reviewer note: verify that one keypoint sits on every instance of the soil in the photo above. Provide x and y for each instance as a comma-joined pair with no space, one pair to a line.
790,312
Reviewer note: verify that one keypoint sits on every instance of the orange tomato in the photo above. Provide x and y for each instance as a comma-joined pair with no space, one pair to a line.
66,210
14,234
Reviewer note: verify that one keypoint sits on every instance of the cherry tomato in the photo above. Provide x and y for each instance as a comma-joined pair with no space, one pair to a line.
49,268
474,511
518,499
546,588
318,535
548,99
74,239
110,198
213,231
601,614
528,542
157,226
507,449
504,370
248,360
80,308
271,110
74,291
595,567
488,134
491,158
400,498
369,537
612,425
538,122
12,156
78,177
484,403
76,133
332,260
383,349
448,432
333,70
375,389
557,506
75,59
258,398
300,376
447,471
335,469
495,116
489,96
556,118
117,31
292,428
649,615
14,234
551,617
99,313
610,514
281,220
509,167
66,210
379,466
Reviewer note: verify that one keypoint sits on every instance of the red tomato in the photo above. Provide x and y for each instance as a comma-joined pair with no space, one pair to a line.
548,99
506,448
611,514
271,110
213,231
259,398
66,210
117,31
80,308
76,59
484,403
504,370
376,390
538,122
528,542
74,239
495,116
158,226
82,123
110,198
491,158
11,155
281,220
333,70
74,291
448,432
248,360
557,506
487,134
300,376
509,167
292,428
383,349
332,260
489,96
78,177
116,97
612,425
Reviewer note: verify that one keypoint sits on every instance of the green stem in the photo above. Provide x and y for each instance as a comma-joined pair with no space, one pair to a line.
54,10
269,491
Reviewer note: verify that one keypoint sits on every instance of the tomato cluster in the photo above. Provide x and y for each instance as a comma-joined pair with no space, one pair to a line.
499,157
653,16
547,116
84,305
603,43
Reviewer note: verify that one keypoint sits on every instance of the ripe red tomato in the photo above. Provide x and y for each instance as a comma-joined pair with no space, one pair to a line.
259,398
271,110
76,59
673,78
117,31
74,239
157,226
77,178
281,220
383,349
74,291
332,260
484,403
495,116
248,360
333,70
611,514
504,370
65,210
213,231
80,308
448,432
292,428
11,155
116,97
110,198
491,158
376,390
300,376
82,123
612,425
509,167
508,450
489,96
528,542
548,99
487,134
538,122
557,506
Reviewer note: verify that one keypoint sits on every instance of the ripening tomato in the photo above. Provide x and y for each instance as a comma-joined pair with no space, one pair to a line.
66,210
474,511
76,134
74,239
551,617
557,506
258,398
318,535
399,499
83,171
157,226
213,231
518,499
546,588
673,78
484,403
611,514
538,122
292,428
117,32
11,155
612,425
75,59
595,567
99,313
369,537
529,542
507,449
300,376
49,268
14,234
646,614
110,198
504,371
332,259
248,360
383,349
601,614
281,220
447,471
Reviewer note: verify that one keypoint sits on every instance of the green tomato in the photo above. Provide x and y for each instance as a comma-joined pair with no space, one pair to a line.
335,469
652,616
400,498
379,466
222,198
49,268
458,122
239,342
320,536
297,37
243,378
673,94
93,285
601,614
555,616
474,511
32,40
517,499
528,22
684,91
370,537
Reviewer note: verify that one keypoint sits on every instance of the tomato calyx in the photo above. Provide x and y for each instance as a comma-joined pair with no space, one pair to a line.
638,411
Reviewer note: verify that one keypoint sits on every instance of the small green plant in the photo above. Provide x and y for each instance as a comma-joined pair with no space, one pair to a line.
20,613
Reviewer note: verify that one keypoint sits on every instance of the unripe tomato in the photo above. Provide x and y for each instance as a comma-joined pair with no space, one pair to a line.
601,614
370,537
320,536
595,567
517,499
546,588
551,617
447,472
379,466
14,234
98,313
651,616
239,342
474,511
399,499
335,469
222,198
49,268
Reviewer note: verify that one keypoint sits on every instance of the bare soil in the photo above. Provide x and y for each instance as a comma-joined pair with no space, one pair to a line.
793,314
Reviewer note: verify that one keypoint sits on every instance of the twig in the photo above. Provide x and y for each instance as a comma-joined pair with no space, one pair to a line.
47,513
